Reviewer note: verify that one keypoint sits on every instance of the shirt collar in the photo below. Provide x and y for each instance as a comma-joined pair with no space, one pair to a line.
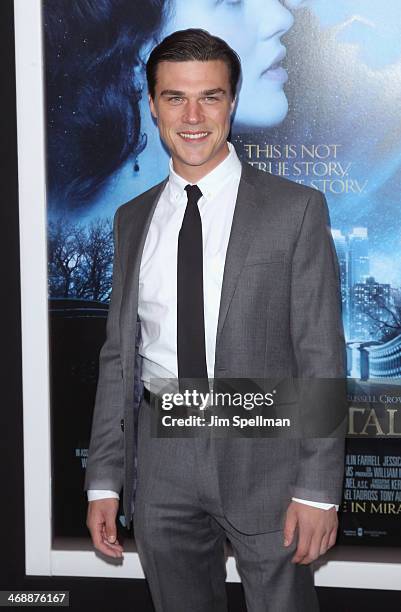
210,184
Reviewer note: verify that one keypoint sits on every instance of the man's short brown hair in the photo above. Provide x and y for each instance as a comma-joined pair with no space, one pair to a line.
193,45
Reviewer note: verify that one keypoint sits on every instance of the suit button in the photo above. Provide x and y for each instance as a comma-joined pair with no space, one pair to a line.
122,424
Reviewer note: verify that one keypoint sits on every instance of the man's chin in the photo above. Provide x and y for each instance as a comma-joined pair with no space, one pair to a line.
195,160
195,152
196,164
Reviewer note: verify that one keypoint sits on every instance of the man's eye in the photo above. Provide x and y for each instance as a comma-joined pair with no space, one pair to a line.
175,99
210,99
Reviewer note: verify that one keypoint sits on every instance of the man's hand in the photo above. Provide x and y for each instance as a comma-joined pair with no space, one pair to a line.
101,522
317,531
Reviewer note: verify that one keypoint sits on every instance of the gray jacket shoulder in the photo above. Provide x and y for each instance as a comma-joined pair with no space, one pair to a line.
125,210
265,181
290,201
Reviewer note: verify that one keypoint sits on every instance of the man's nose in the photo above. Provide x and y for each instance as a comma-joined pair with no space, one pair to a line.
193,112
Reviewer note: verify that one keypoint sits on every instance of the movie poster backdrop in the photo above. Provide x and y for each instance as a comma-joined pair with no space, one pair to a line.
319,105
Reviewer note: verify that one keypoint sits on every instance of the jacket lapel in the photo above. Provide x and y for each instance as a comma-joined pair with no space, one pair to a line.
244,225
137,229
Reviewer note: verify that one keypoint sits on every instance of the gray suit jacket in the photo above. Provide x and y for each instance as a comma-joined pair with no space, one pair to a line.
279,317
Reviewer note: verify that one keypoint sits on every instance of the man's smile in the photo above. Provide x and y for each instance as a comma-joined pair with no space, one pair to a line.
194,136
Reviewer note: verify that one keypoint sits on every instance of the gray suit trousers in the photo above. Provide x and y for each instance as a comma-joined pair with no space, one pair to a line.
180,532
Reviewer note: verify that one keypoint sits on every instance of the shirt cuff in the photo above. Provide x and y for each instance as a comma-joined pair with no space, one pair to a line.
320,505
94,494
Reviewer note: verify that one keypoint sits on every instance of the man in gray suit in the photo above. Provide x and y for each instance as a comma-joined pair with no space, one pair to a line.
269,308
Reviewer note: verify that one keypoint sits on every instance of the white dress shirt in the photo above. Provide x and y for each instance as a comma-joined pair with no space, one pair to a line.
157,305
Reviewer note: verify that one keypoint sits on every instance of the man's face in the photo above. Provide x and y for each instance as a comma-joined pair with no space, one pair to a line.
193,106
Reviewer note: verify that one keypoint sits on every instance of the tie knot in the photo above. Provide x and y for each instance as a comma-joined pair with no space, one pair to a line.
194,194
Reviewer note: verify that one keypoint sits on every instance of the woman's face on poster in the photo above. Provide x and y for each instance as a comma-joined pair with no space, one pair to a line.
373,27
254,29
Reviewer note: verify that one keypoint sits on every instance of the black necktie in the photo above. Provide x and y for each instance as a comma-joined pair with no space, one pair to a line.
191,352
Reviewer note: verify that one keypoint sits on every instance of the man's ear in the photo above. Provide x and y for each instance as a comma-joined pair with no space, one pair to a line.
152,107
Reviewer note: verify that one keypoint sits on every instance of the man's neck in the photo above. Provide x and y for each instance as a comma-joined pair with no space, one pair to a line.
193,174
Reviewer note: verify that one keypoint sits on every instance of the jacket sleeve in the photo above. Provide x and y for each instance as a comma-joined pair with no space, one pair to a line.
319,348
105,465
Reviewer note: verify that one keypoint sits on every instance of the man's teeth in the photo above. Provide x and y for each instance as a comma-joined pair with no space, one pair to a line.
193,136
